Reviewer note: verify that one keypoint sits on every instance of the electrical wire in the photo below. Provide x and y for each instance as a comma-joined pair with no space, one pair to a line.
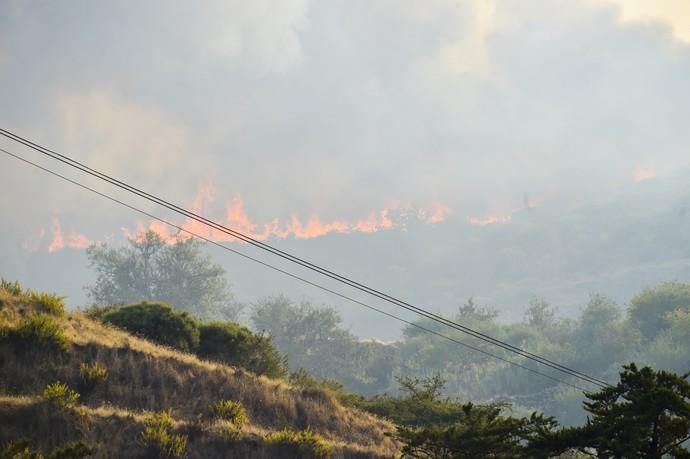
345,280
287,273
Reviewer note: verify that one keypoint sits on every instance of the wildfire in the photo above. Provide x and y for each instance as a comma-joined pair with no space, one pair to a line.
237,218
490,220
74,240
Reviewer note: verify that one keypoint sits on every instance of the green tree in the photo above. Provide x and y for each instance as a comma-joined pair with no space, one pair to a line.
645,415
650,310
237,345
434,427
313,340
157,322
150,269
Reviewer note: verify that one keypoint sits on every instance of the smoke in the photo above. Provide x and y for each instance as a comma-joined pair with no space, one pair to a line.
316,118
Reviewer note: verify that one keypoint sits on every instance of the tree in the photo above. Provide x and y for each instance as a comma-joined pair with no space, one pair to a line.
149,269
157,322
650,309
442,428
645,415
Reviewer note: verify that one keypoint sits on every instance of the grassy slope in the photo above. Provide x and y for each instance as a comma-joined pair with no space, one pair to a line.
144,377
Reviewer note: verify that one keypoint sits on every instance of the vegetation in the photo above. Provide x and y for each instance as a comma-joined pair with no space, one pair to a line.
314,341
43,331
157,322
92,374
22,449
60,395
299,444
237,345
159,438
145,377
44,302
152,270
647,414
232,411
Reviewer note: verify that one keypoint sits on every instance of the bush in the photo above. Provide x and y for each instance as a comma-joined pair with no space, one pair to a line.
158,322
232,411
304,443
44,331
236,345
72,450
92,374
60,395
48,302
12,287
159,439
22,449
19,449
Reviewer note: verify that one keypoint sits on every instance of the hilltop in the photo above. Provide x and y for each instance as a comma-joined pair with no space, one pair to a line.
41,344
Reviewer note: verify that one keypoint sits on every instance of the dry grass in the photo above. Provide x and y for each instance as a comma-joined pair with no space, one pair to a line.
145,377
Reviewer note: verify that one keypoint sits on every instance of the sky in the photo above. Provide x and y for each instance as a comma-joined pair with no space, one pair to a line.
296,118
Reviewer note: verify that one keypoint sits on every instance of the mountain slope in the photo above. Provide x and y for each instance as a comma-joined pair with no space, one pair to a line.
144,378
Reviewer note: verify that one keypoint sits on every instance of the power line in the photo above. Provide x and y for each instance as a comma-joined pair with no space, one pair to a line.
287,273
323,271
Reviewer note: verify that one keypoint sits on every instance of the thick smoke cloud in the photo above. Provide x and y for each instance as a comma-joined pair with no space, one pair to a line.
340,108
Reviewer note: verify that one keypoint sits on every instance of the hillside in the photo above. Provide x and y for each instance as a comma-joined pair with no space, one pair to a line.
143,379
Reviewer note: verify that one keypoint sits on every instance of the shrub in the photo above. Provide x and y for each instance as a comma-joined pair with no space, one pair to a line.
44,331
159,439
232,411
92,374
48,302
158,322
22,449
304,443
72,450
12,287
236,345
19,449
60,395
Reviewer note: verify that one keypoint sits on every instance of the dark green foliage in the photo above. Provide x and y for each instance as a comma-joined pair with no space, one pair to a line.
421,405
645,415
150,269
157,322
41,330
72,450
431,426
22,449
303,444
236,345
650,309
481,431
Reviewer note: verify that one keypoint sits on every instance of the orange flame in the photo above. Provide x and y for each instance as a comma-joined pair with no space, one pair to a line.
74,240
237,218
490,220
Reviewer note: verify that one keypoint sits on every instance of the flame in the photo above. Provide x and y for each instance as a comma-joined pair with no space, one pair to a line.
238,219
74,240
439,213
644,173
490,220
